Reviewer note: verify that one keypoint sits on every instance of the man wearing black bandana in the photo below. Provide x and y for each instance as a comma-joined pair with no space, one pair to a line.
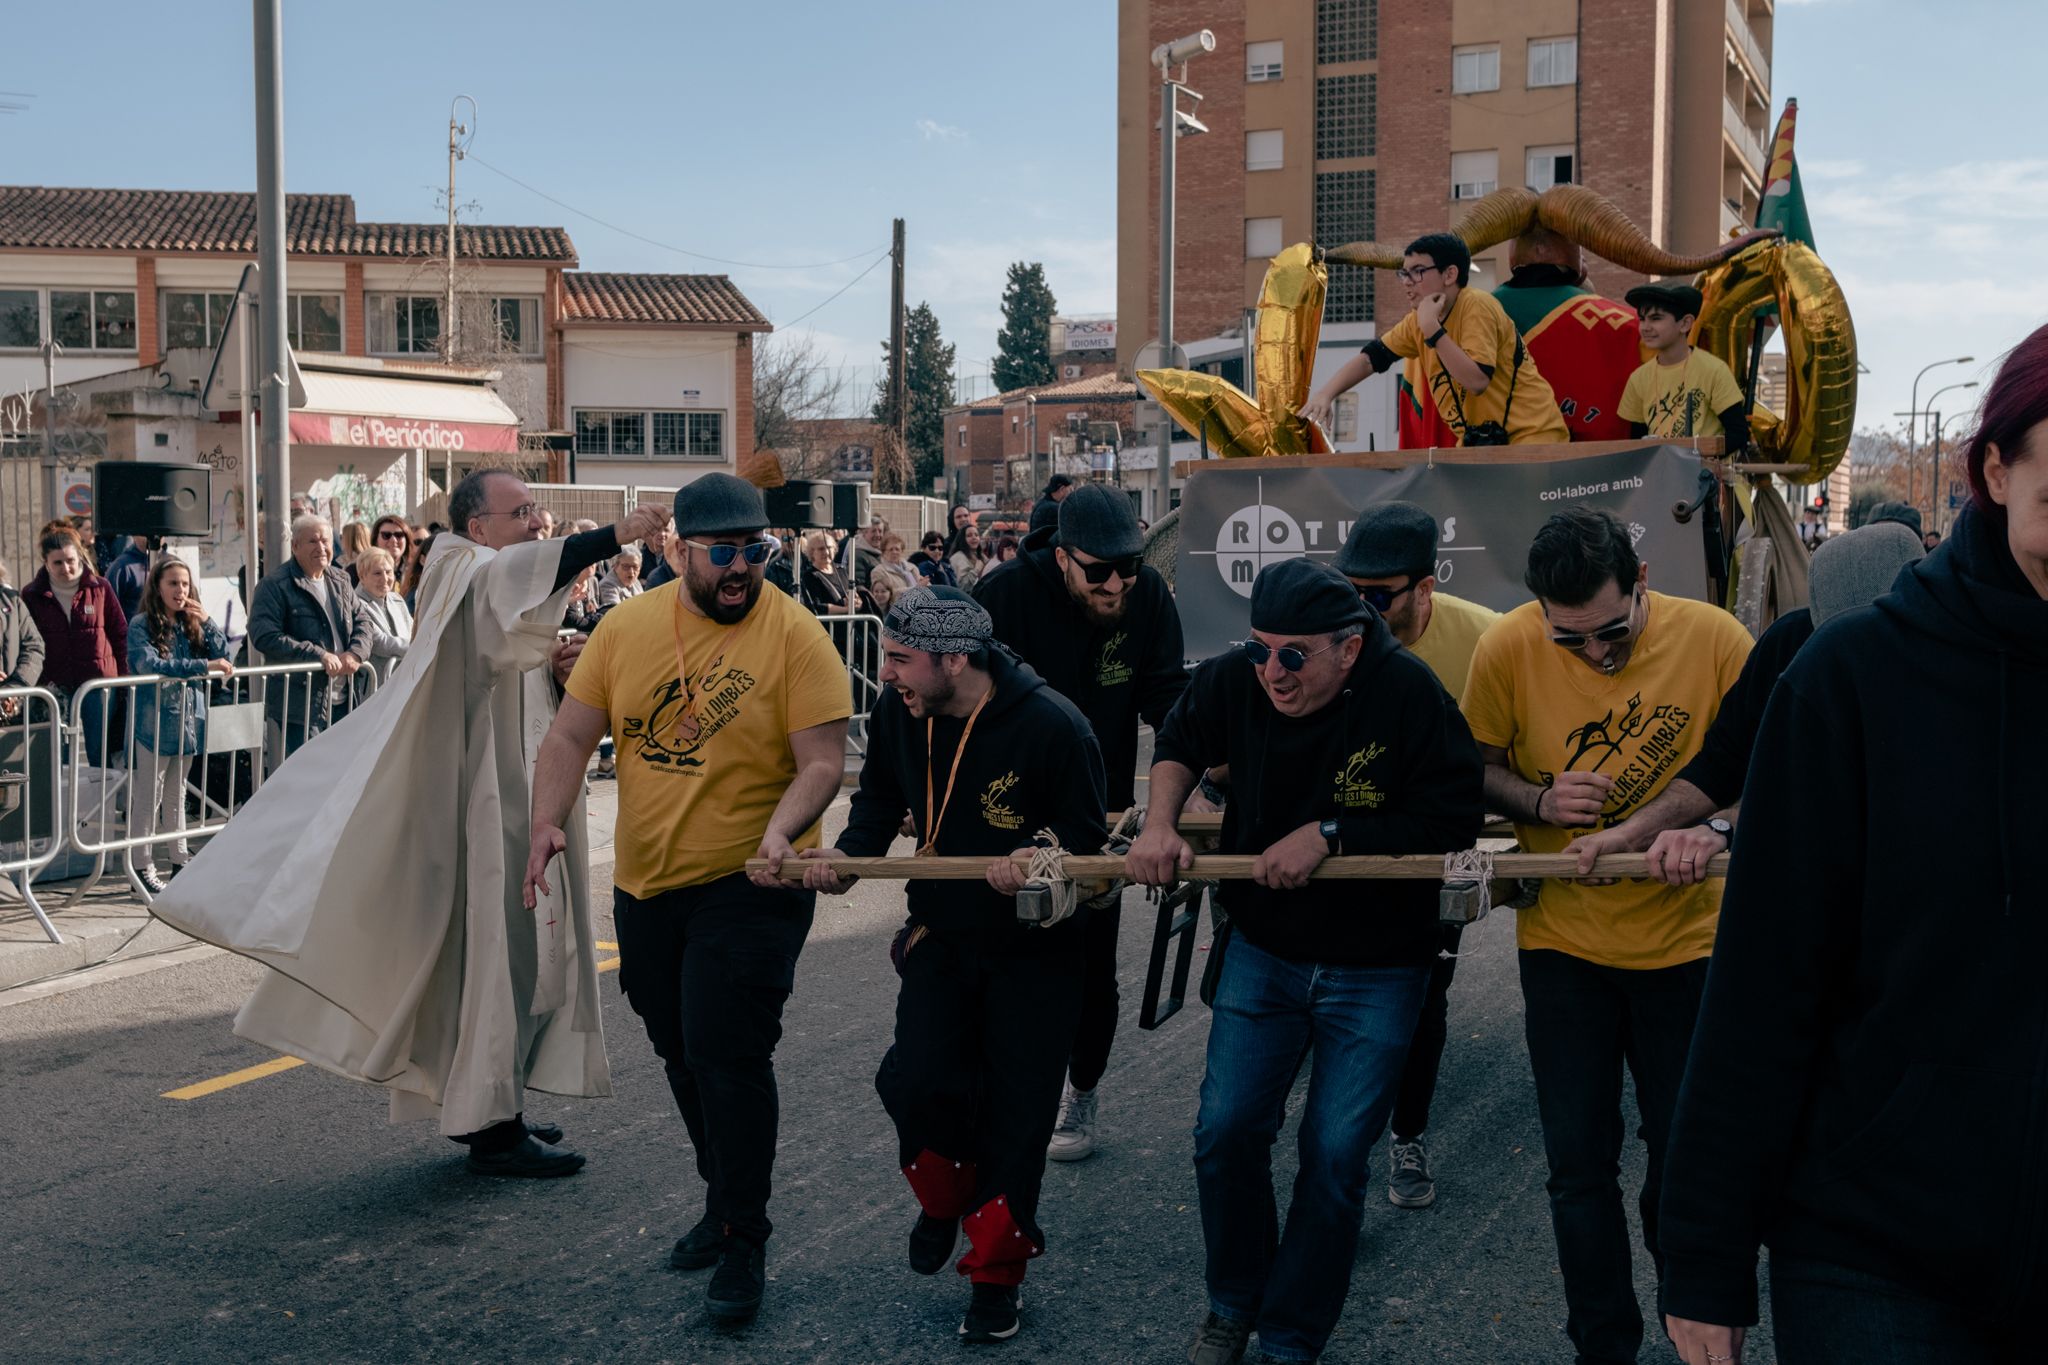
986,760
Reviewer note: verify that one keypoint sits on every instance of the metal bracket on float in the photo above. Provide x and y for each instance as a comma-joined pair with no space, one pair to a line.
1180,917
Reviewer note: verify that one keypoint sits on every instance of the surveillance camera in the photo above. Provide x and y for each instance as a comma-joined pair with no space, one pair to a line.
1181,50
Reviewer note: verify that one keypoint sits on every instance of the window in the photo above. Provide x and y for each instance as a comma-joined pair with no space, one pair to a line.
1346,111
1263,149
1549,166
963,437
314,322
500,324
676,435
1475,69
1344,213
1553,61
1262,239
404,324
21,318
194,320
93,319
1347,31
1262,61
1474,174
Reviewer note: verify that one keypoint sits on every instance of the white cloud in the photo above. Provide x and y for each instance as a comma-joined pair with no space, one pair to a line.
934,131
1824,168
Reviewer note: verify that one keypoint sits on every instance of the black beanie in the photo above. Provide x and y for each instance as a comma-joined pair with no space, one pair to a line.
1302,597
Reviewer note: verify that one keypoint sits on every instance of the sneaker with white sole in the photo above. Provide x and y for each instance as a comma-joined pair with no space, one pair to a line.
1073,1137
992,1313
1411,1186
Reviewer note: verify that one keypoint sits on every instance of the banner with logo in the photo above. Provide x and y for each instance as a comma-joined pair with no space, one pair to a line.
1237,517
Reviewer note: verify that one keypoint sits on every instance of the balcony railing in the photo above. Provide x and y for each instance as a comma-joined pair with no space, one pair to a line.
1745,41
1746,142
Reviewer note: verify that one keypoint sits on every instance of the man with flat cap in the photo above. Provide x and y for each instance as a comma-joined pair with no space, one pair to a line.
988,1006
1391,558
729,708
1084,610
1338,742
1680,390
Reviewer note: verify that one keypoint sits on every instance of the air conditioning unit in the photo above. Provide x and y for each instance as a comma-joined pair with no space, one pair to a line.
1070,371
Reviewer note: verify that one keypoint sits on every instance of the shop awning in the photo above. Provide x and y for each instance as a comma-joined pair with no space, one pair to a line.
390,412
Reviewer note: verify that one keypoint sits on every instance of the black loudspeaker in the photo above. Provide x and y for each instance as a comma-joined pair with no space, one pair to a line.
133,498
849,506
802,503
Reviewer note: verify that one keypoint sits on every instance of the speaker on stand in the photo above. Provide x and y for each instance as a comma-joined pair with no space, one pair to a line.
138,498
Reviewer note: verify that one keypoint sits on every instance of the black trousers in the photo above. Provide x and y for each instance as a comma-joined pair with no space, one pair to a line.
1584,1021
1099,1002
707,969
973,1084
1426,1053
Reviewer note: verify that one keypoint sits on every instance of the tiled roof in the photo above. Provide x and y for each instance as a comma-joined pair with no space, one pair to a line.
174,221
1107,387
604,296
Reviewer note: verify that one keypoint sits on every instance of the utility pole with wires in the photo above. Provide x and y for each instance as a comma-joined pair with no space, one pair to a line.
459,139
897,406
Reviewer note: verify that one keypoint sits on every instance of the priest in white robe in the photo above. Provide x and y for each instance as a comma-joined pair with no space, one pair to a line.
378,873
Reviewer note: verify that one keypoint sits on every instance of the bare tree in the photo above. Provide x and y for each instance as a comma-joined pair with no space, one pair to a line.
793,390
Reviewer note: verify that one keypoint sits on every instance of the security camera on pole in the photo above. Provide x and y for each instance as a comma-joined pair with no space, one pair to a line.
1173,125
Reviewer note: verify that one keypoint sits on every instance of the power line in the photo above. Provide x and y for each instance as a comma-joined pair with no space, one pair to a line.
638,237
841,290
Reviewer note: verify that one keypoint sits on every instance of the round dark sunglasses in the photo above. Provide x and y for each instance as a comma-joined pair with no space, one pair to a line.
756,552
1291,659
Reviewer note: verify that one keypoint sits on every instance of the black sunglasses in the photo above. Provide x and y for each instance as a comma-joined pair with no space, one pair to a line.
1099,570
756,552
1611,633
1291,659
1380,598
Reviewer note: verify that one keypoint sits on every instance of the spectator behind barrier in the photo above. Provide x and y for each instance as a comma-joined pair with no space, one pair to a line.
174,638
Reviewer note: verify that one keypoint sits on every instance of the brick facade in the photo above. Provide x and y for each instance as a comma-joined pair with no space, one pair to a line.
1623,149
557,418
147,350
1414,182
743,449
354,325
1209,179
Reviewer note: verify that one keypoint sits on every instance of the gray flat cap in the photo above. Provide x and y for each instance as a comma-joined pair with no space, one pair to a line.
1389,538
1098,521
717,505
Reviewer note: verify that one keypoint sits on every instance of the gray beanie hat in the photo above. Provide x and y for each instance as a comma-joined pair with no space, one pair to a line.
1098,521
1856,569
1389,538
939,621
717,505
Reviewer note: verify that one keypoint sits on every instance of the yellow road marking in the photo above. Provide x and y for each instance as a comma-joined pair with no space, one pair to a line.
234,1078
610,964
612,946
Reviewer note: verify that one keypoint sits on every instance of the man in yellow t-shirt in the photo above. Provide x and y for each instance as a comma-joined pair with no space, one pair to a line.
1586,703
1680,390
1390,556
729,708
1481,376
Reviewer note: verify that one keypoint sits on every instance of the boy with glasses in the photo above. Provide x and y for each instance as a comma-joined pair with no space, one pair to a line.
1586,703
1478,372
1082,608
1391,558
1338,742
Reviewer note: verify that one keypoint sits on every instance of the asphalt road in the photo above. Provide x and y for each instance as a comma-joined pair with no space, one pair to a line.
284,1219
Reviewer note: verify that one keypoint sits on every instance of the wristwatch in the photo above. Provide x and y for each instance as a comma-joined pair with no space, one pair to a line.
1720,827
1331,834
1431,342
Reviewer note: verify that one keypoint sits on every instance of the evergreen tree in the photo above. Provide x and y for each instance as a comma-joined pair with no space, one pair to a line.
928,392
1024,346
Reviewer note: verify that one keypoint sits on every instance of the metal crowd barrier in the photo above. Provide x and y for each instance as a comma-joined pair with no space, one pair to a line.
859,641
31,791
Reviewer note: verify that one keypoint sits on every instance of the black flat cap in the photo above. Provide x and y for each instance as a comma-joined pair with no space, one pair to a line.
1389,538
1302,597
717,505
1675,297
1098,521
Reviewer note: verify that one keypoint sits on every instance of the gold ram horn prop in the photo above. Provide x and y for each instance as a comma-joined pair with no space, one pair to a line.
1572,211
1215,410
1820,350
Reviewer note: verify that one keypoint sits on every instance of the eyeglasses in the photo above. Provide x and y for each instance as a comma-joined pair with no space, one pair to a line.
1291,659
755,552
525,511
1414,274
393,535
1380,598
1612,633
1099,570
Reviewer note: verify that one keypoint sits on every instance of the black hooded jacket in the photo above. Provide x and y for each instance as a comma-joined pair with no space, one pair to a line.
1030,765
1116,675
1868,1083
1391,760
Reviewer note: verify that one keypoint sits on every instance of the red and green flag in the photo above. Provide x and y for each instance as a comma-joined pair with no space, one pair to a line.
1783,205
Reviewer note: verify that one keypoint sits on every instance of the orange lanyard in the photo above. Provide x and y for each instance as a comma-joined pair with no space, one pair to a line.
686,720
931,824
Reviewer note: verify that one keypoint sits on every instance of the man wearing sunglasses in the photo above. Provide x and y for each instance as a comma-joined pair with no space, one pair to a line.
729,708
1390,556
1338,741
1586,704
1100,627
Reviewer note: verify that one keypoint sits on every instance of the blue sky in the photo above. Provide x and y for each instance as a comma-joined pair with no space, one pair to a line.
790,133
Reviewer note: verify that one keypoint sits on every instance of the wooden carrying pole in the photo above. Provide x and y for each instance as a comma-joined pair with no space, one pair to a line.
1237,866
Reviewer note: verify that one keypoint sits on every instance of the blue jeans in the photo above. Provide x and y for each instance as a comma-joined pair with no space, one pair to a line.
1358,1021
1822,1314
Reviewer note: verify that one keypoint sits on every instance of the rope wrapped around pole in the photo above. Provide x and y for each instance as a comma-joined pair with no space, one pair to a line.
1238,867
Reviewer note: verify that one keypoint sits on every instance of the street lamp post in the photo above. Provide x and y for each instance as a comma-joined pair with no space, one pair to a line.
1913,418
1172,124
1934,469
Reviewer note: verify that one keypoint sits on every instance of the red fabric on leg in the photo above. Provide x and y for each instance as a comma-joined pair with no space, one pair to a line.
944,1187
998,1251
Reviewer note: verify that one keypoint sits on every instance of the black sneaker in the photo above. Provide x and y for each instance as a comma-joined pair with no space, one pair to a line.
698,1248
529,1160
932,1241
1219,1341
992,1315
734,1294
151,883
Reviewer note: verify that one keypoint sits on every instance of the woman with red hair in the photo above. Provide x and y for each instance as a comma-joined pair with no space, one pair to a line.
1868,1087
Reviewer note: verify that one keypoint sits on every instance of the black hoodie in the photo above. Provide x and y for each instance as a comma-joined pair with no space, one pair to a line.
1868,1083
1030,765
1390,759
1115,674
